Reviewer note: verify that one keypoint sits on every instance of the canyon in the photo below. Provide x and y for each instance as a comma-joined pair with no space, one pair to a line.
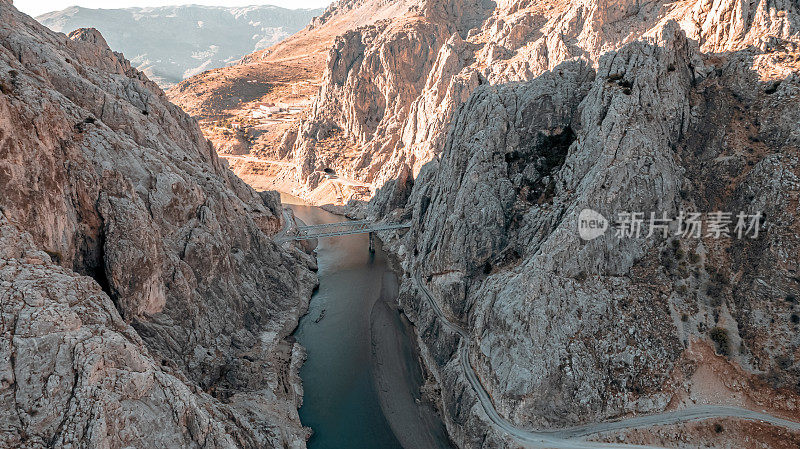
491,126
145,300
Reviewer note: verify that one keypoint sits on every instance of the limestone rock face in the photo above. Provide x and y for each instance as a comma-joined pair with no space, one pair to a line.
115,183
374,77
565,331
727,24
74,373
544,109
390,88
519,164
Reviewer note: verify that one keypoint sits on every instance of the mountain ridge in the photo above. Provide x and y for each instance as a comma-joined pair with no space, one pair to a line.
170,43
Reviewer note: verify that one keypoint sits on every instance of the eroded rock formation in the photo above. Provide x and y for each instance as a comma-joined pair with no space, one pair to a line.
392,102
567,331
178,334
545,109
519,117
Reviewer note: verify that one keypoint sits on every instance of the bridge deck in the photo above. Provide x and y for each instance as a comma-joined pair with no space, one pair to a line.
343,228
334,225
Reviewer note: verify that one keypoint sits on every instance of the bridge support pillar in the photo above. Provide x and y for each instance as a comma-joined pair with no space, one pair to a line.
372,243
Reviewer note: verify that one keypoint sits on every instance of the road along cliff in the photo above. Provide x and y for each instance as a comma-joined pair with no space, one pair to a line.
144,301
493,126
694,111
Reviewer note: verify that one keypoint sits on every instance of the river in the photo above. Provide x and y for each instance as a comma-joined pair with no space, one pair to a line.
362,376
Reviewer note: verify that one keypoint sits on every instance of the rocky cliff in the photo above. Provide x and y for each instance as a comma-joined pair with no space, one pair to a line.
290,72
391,101
143,299
375,74
541,111
491,126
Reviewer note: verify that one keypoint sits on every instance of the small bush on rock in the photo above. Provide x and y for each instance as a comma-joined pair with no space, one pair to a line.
720,337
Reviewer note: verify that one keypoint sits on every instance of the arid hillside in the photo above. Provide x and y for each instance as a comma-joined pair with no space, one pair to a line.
369,87
228,101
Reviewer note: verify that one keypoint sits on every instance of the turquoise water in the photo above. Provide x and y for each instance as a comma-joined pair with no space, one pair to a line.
341,403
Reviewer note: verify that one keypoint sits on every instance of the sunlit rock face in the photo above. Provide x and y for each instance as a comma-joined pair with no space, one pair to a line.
390,88
143,298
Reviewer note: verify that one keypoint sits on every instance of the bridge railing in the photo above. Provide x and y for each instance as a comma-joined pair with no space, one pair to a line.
333,225
343,228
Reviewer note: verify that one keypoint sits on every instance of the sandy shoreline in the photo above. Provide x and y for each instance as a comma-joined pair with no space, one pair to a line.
391,366
398,377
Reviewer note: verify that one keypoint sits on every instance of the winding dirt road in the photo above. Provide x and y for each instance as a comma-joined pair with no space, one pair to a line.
573,437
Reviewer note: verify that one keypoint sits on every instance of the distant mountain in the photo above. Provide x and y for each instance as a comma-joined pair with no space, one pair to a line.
172,43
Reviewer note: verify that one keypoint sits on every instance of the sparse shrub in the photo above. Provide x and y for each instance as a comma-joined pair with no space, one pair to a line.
81,126
791,298
720,337
713,290
582,276
549,191
774,378
684,317
667,261
784,362
716,287
772,88
718,428
795,319
718,278
55,256
694,257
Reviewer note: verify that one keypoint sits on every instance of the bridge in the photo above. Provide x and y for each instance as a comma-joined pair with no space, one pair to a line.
310,232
